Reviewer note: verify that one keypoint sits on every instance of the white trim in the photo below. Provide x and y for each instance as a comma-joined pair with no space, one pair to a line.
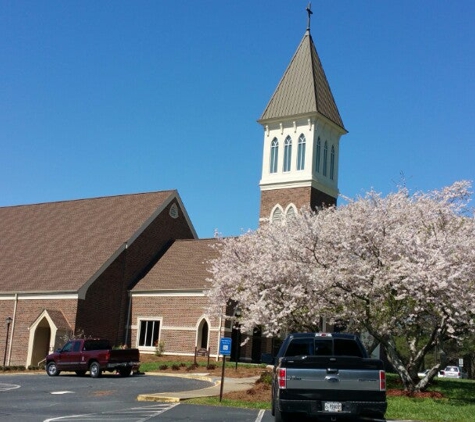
40,296
164,293
148,318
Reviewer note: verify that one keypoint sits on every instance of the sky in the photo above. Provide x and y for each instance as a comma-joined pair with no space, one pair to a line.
102,98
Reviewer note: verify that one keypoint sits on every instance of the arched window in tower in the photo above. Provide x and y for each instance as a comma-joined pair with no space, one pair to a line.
290,212
287,153
319,153
332,162
274,155
277,214
301,153
325,157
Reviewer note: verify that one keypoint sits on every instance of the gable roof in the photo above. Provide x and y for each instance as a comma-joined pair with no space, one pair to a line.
304,88
59,246
183,267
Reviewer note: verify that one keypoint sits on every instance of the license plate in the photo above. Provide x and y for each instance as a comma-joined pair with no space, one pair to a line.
332,406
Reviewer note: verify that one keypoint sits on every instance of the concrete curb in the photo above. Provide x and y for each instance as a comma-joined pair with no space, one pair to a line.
230,384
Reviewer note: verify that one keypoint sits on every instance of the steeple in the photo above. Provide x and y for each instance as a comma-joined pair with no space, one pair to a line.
302,130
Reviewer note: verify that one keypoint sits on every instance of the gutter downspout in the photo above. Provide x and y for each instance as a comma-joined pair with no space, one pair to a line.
128,317
10,346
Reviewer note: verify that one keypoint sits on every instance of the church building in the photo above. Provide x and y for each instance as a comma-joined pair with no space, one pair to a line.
131,269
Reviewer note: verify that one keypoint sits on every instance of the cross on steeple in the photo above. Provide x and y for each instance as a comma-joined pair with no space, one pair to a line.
309,11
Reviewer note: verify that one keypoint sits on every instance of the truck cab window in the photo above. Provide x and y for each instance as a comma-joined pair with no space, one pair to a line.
323,347
345,347
300,347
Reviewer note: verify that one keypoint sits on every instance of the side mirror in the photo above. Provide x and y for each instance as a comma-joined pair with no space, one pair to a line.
267,358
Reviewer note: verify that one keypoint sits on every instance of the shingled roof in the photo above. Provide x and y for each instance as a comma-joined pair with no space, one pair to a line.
303,89
59,246
183,267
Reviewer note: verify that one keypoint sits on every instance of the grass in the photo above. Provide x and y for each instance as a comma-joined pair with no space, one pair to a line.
457,405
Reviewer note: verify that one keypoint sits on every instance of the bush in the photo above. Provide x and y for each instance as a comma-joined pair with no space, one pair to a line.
265,378
192,367
163,367
211,366
175,367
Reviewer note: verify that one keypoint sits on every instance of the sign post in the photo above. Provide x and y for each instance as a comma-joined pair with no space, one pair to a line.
225,350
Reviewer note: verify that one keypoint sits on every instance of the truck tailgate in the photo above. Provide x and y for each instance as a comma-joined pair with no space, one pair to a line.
332,373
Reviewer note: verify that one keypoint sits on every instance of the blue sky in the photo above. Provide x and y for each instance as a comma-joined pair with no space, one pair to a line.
101,98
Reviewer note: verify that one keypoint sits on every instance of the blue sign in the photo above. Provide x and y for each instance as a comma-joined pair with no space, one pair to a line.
225,346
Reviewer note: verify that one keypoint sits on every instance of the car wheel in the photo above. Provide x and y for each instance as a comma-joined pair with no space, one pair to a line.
95,370
125,372
80,373
52,369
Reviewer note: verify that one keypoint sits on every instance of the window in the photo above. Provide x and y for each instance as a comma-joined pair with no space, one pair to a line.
290,213
325,156
287,153
276,215
203,334
274,155
332,163
301,153
317,158
149,333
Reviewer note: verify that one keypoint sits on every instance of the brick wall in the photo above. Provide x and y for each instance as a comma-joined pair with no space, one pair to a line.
28,310
300,197
180,316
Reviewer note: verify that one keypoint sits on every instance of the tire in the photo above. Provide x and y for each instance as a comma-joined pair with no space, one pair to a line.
95,370
52,369
125,372
80,373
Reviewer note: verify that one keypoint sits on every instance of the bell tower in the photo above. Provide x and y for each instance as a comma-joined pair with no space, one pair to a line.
302,130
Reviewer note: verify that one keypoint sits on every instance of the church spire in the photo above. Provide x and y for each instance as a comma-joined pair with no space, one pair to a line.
302,131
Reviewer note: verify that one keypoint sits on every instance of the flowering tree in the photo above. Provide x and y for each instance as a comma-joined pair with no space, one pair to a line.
400,266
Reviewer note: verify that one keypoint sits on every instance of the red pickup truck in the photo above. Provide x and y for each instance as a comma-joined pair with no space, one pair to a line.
93,355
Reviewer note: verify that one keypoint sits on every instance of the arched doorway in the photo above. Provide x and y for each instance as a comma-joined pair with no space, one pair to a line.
41,342
48,332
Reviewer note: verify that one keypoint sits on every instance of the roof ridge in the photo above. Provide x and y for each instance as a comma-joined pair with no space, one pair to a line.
63,201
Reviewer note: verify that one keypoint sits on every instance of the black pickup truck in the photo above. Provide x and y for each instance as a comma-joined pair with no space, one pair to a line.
328,376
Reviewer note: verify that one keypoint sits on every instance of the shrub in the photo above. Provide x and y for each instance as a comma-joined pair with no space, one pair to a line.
265,378
175,367
159,348
163,367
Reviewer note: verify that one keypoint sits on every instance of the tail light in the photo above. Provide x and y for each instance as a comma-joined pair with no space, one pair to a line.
282,378
108,355
382,381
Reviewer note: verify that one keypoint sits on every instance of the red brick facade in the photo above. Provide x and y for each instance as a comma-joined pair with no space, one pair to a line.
300,197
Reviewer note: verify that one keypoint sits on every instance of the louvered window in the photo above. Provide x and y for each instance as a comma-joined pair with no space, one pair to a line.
318,154
274,155
332,163
325,158
301,153
287,153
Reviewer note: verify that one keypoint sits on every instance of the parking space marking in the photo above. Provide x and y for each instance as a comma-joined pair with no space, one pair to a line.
133,414
7,387
260,415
